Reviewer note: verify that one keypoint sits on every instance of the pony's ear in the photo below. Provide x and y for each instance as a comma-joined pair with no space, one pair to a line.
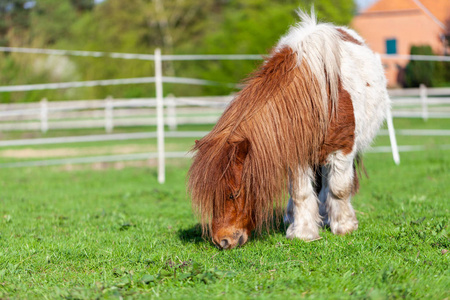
242,149
196,145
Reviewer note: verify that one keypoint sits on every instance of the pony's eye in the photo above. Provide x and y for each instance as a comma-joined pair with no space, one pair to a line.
231,197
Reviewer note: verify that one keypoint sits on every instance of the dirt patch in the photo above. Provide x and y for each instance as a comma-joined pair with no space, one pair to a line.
101,166
68,152
119,165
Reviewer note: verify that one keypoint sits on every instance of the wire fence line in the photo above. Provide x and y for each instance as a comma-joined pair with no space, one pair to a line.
184,57
109,82
136,56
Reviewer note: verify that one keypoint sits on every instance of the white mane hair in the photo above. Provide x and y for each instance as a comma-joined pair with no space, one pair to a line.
319,46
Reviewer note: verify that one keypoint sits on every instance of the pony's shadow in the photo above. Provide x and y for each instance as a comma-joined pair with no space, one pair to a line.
192,234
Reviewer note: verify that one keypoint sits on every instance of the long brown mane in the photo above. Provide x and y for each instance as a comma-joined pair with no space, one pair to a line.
281,116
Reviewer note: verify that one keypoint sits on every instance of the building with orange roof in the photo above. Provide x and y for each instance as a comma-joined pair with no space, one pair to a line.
393,26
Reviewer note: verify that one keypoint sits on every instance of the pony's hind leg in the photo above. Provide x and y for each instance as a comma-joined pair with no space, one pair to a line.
303,210
339,186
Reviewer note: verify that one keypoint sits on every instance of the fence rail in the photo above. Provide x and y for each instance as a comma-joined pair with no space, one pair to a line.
110,113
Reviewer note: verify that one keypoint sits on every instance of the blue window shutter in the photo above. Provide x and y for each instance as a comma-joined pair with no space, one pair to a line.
391,46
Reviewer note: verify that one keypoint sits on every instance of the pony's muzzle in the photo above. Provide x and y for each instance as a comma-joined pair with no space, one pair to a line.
229,242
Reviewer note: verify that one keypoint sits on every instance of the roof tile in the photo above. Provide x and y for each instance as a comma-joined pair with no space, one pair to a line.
439,8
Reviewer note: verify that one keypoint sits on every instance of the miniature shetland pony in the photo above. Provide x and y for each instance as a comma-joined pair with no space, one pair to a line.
299,125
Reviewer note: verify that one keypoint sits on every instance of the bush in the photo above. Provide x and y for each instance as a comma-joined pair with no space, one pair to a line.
430,73
418,72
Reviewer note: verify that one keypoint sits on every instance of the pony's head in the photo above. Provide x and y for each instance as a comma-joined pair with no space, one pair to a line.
218,189
232,220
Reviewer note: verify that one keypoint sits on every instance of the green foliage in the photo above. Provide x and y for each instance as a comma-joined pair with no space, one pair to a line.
441,73
14,22
50,20
139,26
254,27
83,5
430,73
251,27
41,25
418,72
336,11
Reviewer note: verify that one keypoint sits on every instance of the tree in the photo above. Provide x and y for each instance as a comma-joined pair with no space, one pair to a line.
83,5
39,24
50,20
139,26
337,11
253,27
14,22
176,22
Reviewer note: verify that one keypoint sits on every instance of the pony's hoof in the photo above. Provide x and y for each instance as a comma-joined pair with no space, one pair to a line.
341,228
306,234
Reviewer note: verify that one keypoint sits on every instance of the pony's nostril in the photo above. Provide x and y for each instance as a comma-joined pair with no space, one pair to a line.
242,240
224,243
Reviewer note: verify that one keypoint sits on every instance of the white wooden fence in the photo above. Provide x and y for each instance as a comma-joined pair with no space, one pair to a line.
421,102
110,113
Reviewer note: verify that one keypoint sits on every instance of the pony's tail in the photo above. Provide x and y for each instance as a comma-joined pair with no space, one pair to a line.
358,171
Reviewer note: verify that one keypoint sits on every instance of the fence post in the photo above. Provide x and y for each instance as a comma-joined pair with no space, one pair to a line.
171,112
160,116
423,100
44,115
392,137
109,108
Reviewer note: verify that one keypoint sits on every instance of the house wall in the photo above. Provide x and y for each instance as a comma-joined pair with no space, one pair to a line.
408,27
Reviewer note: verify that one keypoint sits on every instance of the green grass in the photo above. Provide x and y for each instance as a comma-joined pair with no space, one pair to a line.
113,234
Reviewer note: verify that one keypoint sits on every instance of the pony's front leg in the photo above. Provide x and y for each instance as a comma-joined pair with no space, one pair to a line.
339,185
303,209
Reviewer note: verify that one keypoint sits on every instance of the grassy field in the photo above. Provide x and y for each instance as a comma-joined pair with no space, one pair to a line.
116,233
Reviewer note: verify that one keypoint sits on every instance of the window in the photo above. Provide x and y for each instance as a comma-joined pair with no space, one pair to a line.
391,46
